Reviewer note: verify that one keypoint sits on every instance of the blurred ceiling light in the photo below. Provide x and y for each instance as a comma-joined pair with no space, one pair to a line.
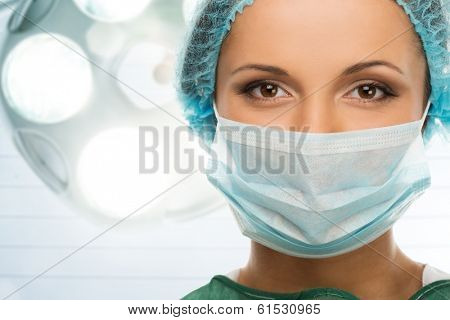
105,40
189,9
112,10
108,173
44,80
147,67
75,104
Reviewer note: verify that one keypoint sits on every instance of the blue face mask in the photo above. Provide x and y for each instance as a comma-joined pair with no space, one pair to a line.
313,194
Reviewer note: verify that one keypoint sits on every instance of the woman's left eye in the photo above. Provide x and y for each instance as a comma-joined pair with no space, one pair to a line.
371,92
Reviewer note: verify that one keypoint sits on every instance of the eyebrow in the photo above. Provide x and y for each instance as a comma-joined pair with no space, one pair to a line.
368,64
262,67
348,71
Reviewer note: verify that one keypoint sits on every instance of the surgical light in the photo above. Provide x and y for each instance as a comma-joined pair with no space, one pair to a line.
108,173
189,9
75,98
112,10
147,67
44,81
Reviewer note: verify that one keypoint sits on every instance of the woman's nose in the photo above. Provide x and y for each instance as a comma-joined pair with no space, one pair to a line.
315,114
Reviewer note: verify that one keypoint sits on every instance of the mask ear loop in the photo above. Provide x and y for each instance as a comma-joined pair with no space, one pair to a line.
217,121
216,113
424,116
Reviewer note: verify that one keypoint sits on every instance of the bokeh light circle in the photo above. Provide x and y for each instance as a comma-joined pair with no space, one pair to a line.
112,10
46,79
109,176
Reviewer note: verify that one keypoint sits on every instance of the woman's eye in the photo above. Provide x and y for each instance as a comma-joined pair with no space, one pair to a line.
371,92
266,90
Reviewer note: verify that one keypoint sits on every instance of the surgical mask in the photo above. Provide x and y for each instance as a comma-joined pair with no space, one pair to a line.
318,195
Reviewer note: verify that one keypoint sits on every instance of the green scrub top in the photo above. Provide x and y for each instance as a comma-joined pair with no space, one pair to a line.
223,288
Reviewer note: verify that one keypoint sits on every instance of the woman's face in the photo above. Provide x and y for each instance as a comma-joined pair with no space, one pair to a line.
325,65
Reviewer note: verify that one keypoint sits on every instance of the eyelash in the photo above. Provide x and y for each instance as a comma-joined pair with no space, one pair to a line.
388,92
245,90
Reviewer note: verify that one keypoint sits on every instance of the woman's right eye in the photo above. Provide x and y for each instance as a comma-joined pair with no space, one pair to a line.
265,91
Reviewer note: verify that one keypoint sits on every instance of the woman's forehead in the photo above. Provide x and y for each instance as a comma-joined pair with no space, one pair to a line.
316,31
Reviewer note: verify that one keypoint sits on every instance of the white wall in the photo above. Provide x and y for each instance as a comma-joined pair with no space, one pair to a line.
424,230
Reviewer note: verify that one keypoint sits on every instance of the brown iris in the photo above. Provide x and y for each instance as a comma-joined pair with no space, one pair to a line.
269,90
367,92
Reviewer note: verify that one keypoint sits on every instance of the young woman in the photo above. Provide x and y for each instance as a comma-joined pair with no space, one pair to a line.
328,99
